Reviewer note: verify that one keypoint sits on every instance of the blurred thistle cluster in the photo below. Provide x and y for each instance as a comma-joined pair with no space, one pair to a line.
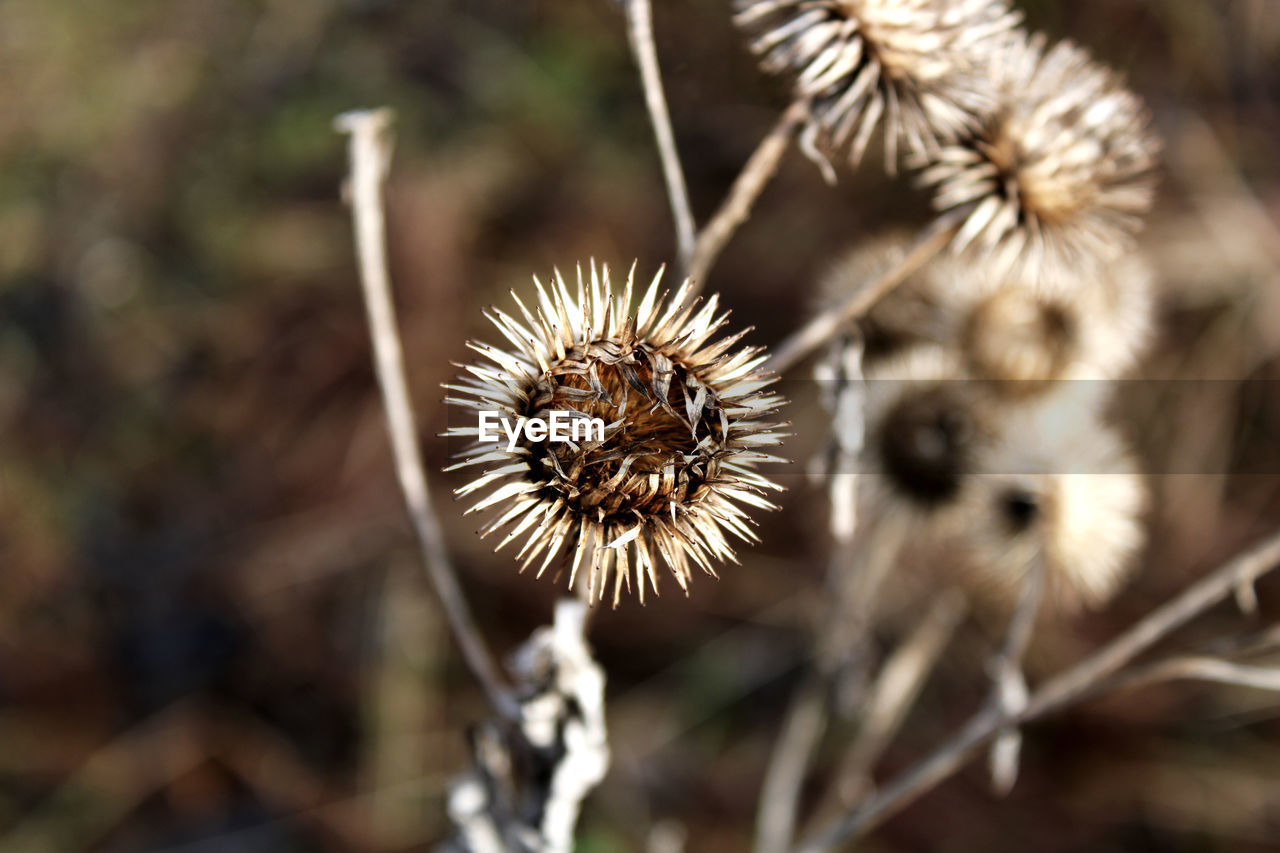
980,380
973,394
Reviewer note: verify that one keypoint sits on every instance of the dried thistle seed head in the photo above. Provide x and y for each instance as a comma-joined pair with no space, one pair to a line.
1090,326
1058,486
688,418
1019,338
1061,171
916,64
925,423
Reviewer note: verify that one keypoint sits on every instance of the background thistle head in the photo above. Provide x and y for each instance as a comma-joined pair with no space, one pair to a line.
1062,171
914,66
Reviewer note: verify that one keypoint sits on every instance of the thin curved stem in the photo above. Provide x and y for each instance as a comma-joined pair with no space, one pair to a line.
890,698
1197,598
640,35
823,327
1199,668
802,729
370,152
751,181
1010,685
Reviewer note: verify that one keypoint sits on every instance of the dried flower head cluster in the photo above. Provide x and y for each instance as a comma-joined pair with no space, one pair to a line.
983,485
984,445
688,418
916,65
1060,173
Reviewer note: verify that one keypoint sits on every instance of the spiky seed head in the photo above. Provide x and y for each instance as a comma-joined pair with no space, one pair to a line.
1059,486
1088,326
1061,171
913,64
924,422
688,418
974,488
1019,338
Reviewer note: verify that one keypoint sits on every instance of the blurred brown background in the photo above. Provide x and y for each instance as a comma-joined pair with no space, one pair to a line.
214,633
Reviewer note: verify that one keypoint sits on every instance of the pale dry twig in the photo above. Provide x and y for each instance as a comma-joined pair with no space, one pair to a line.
891,697
640,36
751,181
370,152
1010,684
802,728
826,325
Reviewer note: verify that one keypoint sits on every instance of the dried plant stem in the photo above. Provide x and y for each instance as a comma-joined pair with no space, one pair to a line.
1010,693
1078,682
1251,644
826,325
1198,668
891,697
751,181
1197,598
640,35
370,152
855,576
802,728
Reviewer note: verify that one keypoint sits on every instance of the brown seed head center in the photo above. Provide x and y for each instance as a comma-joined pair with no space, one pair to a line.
662,438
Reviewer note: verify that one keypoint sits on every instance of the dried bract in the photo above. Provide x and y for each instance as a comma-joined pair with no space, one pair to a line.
915,64
1060,487
687,420
1061,172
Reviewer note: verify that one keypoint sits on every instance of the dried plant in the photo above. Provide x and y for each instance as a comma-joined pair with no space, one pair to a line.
529,777
688,420
924,419
1062,170
983,485
1088,325
965,441
1081,324
920,310
916,65
1057,486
